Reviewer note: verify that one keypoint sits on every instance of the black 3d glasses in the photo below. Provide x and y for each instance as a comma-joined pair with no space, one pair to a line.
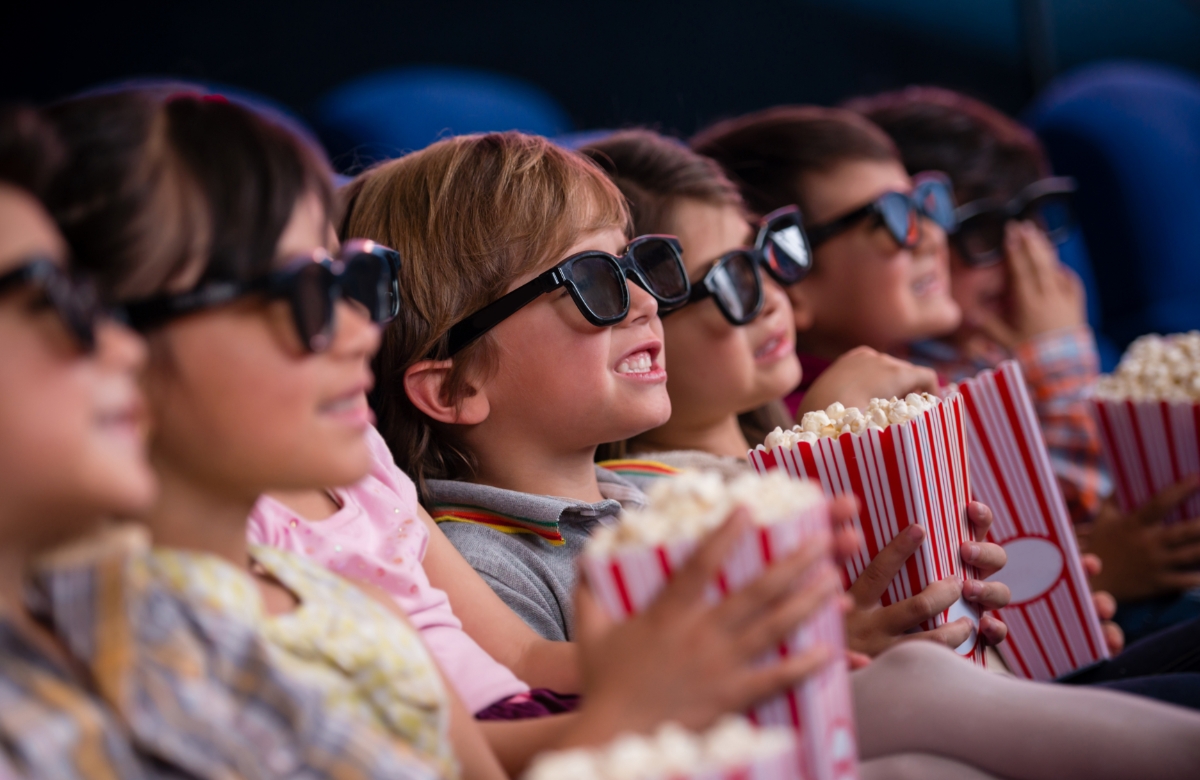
932,197
596,283
980,234
74,300
363,272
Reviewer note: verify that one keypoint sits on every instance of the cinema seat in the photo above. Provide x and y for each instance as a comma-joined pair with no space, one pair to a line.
1130,134
384,115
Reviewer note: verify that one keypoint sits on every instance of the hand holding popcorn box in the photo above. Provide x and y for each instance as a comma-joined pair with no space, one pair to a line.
1148,412
1052,623
734,749
906,462
629,564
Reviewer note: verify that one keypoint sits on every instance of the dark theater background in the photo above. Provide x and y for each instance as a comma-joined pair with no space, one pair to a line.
678,66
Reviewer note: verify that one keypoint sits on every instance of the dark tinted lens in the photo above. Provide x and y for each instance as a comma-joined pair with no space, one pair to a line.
899,217
786,250
367,279
734,283
601,286
660,264
981,238
76,303
1053,213
936,201
310,296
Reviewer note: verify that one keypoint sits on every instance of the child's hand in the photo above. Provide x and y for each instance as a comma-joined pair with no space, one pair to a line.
1143,557
871,629
1106,607
1046,295
687,660
862,374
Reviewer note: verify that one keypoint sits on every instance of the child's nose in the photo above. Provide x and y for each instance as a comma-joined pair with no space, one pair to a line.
356,335
642,305
119,347
774,296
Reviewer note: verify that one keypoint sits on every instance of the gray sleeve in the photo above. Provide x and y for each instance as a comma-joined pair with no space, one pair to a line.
518,574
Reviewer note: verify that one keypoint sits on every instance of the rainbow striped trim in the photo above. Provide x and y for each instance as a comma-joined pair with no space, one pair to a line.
547,530
631,467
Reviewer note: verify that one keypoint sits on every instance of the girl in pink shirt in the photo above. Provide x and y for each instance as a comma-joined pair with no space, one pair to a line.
377,536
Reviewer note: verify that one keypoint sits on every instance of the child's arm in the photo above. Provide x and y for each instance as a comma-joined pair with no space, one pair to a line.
539,662
862,374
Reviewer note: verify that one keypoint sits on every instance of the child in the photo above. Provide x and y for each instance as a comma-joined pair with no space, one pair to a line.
71,425
668,185
254,392
1025,304
720,369
463,212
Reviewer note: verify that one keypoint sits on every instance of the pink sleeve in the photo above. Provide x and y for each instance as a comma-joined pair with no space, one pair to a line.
384,468
268,525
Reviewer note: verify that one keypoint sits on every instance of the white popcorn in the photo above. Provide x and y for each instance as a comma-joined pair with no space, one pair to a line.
693,503
1156,368
837,419
672,751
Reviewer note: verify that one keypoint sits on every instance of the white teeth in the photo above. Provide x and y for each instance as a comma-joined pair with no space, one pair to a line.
638,363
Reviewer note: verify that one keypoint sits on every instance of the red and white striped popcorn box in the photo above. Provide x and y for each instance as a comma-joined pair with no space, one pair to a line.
778,766
1149,446
819,708
912,473
1053,628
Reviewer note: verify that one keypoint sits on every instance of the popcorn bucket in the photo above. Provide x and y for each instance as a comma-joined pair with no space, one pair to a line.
911,473
819,708
1149,446
1052,624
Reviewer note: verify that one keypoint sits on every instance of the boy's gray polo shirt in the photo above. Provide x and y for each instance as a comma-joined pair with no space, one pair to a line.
528,567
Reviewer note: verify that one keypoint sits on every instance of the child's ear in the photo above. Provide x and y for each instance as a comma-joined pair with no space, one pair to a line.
803,312
424,382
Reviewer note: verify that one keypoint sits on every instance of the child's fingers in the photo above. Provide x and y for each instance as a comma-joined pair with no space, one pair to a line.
1180,580
989,595
951,634
1166,500
1114,637
1106,605
991,629
777,582
1092,565
686,588
775,626
1183,557
908,614
884,567
1020,264
1181,534
994,328
772,678
986,557
980,516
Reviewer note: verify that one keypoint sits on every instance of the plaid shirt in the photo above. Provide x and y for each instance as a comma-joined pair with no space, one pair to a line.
1059,367
196,688
51,727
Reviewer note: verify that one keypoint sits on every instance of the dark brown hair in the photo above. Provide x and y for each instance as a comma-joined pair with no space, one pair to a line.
469,215
654,172
157,183
985,153
769,153
30,153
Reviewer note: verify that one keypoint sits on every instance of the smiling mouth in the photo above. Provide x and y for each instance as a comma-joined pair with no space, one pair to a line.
776,344
637,363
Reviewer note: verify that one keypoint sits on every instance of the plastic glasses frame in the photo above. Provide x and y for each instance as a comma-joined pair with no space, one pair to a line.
468,330
819,234
153,312
1016,208
74,300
